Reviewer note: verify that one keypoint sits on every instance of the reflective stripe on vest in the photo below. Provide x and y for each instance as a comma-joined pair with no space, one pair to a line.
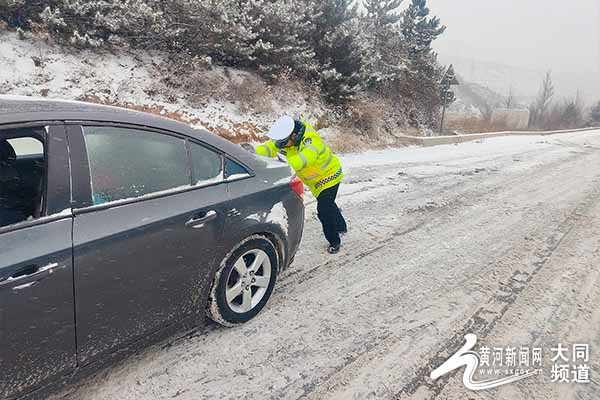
327,180
304,161
324,167
313,148
269,154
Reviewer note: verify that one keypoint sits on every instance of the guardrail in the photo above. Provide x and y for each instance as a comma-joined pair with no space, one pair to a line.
440,140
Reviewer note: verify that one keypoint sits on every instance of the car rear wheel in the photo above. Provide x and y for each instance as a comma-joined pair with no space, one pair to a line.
244,283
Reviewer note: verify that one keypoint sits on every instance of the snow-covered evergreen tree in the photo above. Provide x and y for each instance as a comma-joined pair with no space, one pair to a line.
259,34
421,80
334,40
420,30
222,30
381,40
18,13
281,37
95,23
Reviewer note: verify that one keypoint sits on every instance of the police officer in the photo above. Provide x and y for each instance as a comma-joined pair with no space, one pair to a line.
317,167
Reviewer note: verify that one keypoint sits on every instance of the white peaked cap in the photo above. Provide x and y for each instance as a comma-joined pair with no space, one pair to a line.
282,129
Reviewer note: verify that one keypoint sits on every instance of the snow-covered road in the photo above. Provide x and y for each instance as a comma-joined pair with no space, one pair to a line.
499,238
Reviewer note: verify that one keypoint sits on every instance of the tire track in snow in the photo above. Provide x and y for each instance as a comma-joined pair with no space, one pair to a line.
480,323
551,243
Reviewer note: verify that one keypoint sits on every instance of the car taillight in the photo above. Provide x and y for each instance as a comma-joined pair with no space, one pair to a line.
297,186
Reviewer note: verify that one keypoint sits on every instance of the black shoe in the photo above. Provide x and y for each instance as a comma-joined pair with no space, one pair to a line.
333,249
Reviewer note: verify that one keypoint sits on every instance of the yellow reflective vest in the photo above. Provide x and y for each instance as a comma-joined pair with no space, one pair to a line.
313,161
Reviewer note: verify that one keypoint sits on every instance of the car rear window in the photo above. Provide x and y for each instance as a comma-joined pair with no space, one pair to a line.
207,165
129,163
233,169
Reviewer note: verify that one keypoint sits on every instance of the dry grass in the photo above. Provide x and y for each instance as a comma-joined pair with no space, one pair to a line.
250,93
153,109
240,133
200,87
474,124
369,123
323,121
347,143
365,117
412,131
289,91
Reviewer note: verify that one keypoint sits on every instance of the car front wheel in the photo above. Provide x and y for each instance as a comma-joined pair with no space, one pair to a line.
244,282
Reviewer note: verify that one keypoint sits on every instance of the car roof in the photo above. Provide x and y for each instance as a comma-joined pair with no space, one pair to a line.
22,109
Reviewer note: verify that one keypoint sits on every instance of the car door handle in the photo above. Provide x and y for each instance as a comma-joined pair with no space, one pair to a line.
200,219
28,276
25,285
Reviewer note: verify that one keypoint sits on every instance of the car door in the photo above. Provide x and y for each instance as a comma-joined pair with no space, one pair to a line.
37,324
146,232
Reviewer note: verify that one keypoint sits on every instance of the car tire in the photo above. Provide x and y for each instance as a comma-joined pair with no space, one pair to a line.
244,282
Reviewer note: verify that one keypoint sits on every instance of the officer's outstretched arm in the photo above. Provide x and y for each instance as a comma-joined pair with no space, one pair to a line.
267,149
308,156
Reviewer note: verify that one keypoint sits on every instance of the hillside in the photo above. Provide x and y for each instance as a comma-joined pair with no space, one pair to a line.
525,82
366,75
236,104
475,99
229,102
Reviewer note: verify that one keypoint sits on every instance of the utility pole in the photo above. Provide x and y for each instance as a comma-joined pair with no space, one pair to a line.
447,95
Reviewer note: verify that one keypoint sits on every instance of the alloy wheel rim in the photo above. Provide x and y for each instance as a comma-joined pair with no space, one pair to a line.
248,281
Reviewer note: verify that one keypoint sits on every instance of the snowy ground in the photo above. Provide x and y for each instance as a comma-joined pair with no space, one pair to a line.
498,238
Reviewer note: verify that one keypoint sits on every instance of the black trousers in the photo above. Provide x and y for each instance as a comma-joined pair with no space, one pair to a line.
330,216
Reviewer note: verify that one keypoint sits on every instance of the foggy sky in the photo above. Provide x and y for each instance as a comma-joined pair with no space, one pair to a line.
562,35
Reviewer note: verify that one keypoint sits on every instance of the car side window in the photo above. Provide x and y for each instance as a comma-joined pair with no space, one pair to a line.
129,163
23,175
234,170
207,165
27,146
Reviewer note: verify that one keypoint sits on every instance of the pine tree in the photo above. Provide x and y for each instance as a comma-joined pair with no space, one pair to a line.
21,13
420,30
94,23
422,77
258,34
384,55
383,12
224,31
333,39
281,42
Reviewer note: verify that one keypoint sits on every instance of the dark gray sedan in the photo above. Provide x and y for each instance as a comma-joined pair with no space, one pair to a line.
118,227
